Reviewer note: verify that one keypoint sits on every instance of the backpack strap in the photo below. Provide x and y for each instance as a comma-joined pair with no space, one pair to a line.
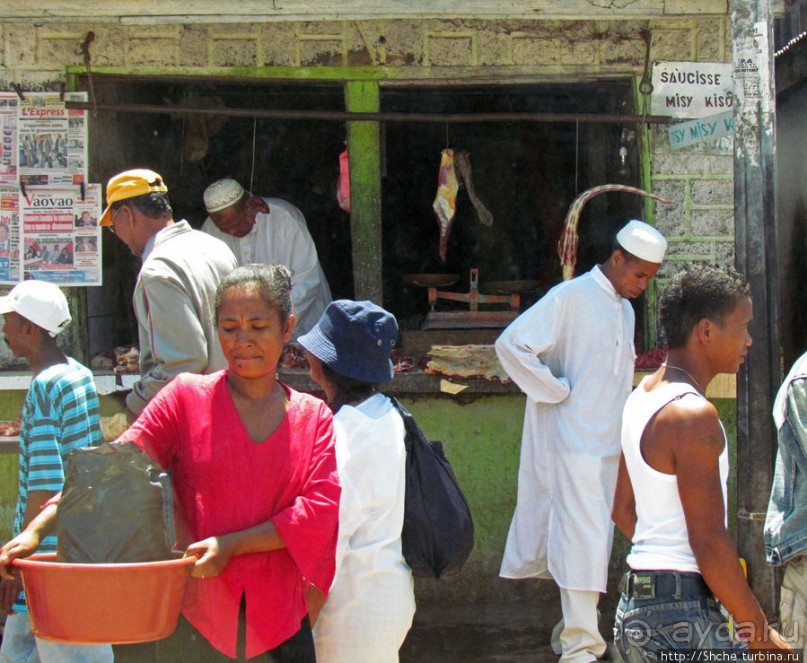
413,431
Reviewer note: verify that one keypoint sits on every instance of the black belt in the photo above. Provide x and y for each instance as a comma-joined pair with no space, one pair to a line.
664,584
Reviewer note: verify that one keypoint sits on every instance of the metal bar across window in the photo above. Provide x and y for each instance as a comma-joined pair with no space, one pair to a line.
344,116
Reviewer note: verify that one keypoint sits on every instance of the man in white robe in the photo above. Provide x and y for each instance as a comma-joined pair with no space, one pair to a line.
267,230
572,354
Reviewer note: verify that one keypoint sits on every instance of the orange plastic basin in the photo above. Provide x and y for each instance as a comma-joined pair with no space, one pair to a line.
103,603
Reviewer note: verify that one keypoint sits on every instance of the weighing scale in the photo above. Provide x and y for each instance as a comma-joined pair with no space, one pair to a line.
466,319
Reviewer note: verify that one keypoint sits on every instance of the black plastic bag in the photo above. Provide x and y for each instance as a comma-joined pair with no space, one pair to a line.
116,506
438,529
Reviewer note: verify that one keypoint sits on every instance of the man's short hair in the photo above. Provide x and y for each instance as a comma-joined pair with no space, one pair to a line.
615,246
155,205
697,293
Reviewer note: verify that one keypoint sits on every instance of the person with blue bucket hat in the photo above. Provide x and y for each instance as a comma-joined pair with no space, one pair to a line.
371,603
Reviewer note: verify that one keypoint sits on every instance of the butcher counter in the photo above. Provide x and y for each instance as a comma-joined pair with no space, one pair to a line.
480,427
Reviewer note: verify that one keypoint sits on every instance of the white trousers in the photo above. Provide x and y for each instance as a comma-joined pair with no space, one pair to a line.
20,645
577,637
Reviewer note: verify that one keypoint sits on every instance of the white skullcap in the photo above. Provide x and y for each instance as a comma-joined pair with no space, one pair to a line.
642,241
222,194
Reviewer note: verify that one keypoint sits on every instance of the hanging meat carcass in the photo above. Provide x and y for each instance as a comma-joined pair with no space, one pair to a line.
445,203
455,166
462,164
567,245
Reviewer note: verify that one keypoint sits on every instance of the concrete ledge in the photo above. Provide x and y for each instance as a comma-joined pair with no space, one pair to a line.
105,382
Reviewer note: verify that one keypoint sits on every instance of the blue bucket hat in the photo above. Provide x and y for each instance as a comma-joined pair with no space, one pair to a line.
354,339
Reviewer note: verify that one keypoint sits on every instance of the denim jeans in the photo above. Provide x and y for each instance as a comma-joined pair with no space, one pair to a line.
21,646
644,628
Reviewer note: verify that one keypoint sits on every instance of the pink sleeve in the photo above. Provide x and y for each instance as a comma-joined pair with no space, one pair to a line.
155,430
309,526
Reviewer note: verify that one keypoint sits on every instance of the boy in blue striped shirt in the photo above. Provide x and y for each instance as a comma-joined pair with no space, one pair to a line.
60,414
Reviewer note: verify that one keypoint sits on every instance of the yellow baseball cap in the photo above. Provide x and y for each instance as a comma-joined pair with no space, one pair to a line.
130,184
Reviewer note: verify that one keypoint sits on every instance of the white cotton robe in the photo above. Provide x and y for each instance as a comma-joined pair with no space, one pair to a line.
282,236
572,354
372,600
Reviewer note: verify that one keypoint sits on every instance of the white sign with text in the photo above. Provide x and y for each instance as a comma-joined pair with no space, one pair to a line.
691,89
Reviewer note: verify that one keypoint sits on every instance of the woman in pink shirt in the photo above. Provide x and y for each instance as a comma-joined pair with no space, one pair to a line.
255,481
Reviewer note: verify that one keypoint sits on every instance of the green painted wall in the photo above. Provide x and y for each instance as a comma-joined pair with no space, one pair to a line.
8,493
482,437
10,407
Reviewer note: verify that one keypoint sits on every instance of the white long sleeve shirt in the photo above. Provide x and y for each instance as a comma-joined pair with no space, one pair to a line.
371,603
572,354
282,236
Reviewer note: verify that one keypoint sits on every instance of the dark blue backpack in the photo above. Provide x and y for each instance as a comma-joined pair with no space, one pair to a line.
438,529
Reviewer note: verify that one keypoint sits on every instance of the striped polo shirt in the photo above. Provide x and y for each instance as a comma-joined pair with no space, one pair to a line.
60,414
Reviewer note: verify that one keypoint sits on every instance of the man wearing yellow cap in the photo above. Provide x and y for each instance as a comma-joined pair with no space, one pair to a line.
175,290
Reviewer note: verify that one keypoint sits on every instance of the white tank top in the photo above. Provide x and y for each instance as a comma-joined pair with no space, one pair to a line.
661,540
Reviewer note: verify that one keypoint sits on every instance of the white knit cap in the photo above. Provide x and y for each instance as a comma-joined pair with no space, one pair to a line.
42,303
222,194
642,241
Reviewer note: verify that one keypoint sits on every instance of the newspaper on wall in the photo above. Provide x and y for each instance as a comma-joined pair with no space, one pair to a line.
52,140
48,212
61,239
8,146
9,235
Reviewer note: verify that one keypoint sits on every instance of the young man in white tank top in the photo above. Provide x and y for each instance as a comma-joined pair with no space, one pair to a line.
671,491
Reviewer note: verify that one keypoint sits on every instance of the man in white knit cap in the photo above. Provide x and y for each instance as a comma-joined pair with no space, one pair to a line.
267,230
